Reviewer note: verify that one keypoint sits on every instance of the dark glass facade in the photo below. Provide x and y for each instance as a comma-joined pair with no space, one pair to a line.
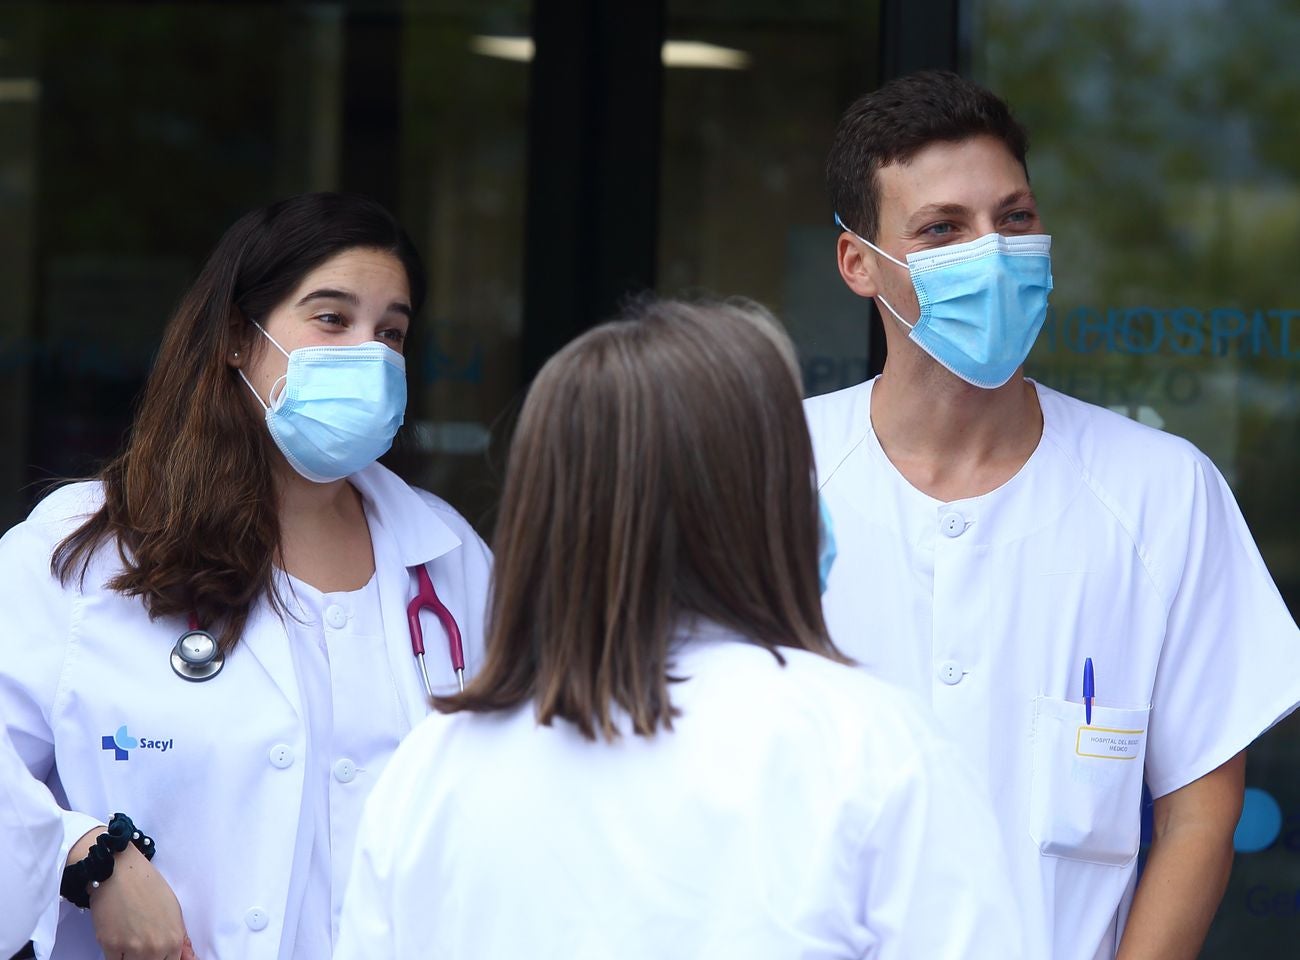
549,157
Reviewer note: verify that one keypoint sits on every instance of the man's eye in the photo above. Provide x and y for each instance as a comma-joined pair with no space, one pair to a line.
397,336
938,229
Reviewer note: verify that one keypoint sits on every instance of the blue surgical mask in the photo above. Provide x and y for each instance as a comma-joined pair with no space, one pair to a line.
825,544
982,303
338,407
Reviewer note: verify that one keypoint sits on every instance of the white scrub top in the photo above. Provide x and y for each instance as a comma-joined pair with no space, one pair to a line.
804,811
1115,542
217,772
30,869
354,723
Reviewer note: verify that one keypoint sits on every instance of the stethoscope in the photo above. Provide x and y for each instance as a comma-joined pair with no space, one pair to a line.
197,658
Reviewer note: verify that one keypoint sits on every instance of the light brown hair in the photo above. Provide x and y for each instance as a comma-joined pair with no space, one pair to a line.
660,469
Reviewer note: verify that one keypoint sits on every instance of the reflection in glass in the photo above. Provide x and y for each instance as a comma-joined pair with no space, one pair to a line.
743,207
132,135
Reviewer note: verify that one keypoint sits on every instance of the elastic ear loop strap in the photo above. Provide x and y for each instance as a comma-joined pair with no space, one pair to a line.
890,306
239,370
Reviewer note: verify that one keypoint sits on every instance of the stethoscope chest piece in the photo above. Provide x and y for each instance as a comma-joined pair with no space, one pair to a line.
196,656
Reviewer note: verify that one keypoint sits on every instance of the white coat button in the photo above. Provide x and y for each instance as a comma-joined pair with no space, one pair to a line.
952,524
335,616
256,919
281,756
345,771
950,672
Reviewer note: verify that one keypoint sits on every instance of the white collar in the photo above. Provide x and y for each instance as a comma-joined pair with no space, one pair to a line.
406,516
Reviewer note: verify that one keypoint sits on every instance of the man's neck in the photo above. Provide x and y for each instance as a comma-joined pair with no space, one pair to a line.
950,440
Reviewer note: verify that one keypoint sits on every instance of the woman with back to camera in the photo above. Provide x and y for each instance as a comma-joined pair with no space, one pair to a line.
664,755
247,504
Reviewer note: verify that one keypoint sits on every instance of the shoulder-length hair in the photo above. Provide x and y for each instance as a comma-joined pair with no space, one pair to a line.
660,471
190,502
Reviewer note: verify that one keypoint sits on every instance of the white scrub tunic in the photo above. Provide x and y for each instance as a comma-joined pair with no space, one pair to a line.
800,811
221,772
30,870
354,723
1114,542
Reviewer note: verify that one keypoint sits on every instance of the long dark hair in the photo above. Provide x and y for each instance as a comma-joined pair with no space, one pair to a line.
661,468
190,502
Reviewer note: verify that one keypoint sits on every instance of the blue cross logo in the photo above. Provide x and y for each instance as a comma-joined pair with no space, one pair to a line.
120,743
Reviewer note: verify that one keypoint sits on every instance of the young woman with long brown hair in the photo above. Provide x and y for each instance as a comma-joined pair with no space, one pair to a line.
212,636
664,755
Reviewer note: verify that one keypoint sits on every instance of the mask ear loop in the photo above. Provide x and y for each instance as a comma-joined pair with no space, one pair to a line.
897,316
282,380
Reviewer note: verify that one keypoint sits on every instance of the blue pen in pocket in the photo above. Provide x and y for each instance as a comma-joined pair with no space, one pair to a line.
1088,690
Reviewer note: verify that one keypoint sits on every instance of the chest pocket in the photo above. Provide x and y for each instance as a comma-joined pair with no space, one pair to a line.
1085,797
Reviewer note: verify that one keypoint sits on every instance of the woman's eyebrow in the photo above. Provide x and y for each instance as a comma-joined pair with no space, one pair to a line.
327,294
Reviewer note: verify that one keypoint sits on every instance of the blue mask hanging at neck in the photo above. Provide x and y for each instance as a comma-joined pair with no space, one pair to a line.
982,303
338,408
826,550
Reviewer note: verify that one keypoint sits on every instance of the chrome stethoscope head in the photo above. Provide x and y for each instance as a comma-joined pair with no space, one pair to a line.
196,656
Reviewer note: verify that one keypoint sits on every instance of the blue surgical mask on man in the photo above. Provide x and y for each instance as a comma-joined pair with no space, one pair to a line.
338,407
982,302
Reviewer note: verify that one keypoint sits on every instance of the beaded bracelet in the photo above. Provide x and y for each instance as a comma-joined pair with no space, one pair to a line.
85,875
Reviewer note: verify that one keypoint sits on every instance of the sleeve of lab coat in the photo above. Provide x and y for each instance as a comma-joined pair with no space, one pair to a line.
32,647
29,873
1229,667
935,878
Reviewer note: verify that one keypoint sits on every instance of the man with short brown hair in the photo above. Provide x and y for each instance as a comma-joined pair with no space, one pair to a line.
1076,596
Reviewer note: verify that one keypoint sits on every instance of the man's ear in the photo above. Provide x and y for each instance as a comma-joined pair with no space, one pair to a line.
857,265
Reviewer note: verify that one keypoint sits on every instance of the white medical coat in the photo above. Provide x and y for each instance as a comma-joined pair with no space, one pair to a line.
1115,542
800,811
216,771
29,865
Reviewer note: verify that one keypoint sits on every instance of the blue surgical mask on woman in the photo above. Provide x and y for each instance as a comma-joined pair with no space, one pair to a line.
982,303
338,407
826,550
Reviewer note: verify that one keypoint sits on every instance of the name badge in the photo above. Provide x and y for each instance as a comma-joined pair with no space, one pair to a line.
1106,743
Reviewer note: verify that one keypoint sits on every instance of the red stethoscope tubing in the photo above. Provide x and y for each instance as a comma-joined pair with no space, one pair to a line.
426,598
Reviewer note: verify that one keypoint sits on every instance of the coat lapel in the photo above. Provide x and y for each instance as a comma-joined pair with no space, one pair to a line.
266,637
405,531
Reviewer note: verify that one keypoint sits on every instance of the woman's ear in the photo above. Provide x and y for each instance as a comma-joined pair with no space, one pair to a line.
238,352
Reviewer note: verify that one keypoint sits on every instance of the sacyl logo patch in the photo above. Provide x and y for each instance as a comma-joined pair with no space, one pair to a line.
122,743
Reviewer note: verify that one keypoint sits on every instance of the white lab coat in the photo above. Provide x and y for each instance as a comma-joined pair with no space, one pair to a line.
1114,542
801,811
215,775
29,864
